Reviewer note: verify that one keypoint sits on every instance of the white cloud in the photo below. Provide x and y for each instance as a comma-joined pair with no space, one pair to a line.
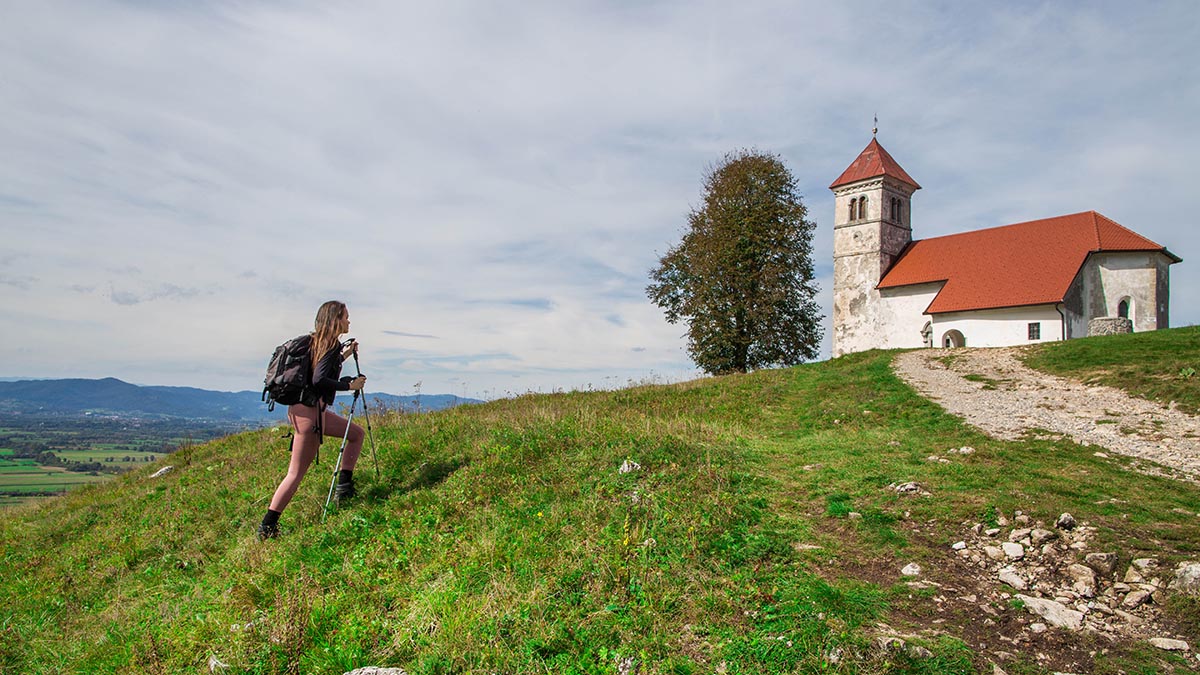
184,185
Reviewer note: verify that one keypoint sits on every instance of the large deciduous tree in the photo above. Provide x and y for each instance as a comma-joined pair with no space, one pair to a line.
742,277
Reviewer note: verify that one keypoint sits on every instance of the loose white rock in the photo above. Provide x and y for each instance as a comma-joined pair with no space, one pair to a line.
1187,579
1009,576
959,545
1135,599
911,570
1056,614
162,472
1040,536
1084,580
1019,534
1013,550
1169,644
629,466
1105,564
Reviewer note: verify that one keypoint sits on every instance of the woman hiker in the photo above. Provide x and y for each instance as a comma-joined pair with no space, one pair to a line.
311,422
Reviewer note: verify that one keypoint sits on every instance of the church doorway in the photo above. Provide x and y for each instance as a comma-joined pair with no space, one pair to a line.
953,338
927,334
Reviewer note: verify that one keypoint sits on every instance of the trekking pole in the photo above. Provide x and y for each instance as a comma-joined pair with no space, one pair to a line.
367,414
337,466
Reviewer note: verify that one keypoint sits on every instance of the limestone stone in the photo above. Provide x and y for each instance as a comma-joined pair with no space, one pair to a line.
1105,564
1013,550
1065,522
1084,580
1145,565
1056,614
1040,536
1009,576
994,552
1187,579
1019,534
1168,644
1135,599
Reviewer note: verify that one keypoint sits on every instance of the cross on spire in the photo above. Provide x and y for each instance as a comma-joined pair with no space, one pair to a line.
875,130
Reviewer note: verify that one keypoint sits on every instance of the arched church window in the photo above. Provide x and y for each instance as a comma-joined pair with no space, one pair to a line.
853,209
862,207
1123,308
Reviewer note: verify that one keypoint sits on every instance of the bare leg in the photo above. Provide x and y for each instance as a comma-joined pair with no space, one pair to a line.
335,427
305,444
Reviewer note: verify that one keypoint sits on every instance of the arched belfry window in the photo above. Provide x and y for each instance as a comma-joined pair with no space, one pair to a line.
853,209
862,207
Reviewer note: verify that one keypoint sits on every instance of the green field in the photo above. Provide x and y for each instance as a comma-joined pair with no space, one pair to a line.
107,446
23,480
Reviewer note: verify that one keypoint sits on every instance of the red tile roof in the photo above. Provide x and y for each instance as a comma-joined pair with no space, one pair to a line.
873,161
1029,263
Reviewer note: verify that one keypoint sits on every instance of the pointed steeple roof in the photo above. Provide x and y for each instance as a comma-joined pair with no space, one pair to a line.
873,161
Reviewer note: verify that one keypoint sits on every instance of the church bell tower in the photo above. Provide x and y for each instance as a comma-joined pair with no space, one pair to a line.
871,226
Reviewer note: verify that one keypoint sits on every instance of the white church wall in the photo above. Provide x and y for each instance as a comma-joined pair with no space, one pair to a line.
999,327
1137,277
902,315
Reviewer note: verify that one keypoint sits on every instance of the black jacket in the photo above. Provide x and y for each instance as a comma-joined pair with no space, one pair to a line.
327,379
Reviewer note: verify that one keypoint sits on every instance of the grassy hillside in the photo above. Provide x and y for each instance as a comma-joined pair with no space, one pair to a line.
1162,366
503,538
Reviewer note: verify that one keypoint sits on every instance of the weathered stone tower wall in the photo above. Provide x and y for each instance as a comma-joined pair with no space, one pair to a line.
864,248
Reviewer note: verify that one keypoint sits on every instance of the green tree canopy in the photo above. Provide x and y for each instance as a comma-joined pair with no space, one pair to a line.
742,277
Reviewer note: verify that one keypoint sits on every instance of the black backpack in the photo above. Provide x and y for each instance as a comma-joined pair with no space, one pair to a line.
289,374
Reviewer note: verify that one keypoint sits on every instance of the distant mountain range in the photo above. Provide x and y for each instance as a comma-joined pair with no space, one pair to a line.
110,396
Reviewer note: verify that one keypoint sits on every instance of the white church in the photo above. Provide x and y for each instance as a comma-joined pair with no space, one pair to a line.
1017,284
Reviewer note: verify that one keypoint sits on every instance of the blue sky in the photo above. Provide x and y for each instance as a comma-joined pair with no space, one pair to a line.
488,184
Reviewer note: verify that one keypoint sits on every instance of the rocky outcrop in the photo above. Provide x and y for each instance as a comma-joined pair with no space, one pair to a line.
1052,575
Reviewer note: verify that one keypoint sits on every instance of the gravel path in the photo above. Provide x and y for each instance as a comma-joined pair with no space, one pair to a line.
1007,400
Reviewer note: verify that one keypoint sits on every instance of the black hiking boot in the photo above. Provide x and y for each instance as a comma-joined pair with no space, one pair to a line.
269,527
266,532
344,491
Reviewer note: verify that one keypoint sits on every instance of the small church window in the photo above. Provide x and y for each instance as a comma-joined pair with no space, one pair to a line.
1035,331
862,207
853,209
898,216
1123,309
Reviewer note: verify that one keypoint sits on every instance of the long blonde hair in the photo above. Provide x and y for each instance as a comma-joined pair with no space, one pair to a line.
325,330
